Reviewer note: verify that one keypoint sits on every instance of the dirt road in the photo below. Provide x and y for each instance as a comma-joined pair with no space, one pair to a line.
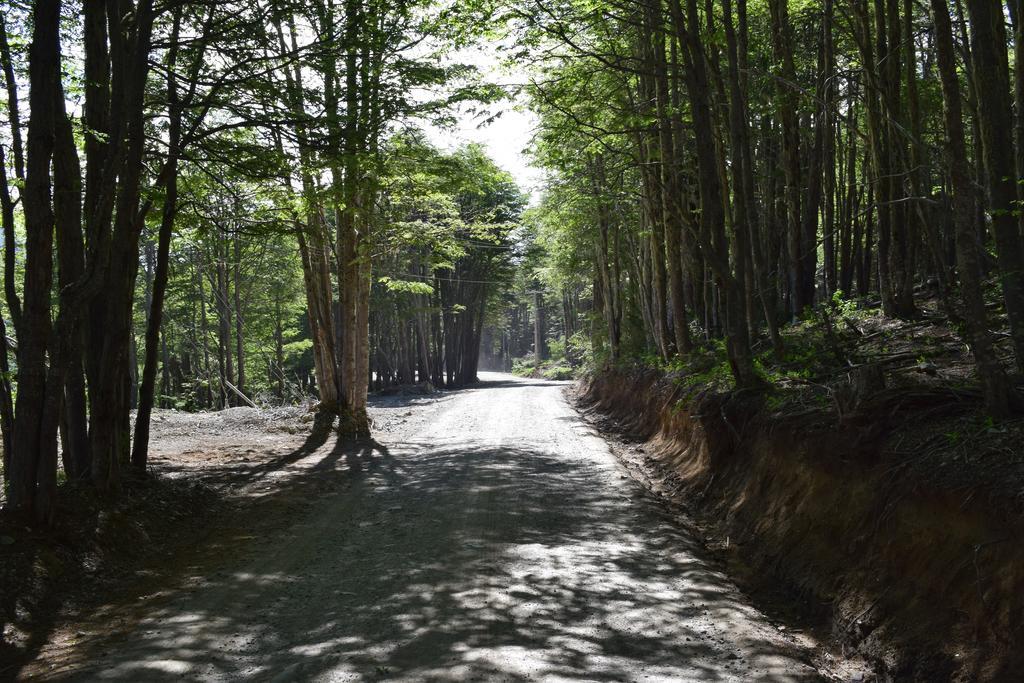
489,535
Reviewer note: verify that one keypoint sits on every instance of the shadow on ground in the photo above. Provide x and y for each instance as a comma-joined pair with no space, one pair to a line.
456,563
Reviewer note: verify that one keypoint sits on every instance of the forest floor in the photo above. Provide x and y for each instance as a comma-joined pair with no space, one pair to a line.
485,534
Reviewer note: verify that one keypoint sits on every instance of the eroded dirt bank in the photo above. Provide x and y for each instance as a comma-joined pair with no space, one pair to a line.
902,520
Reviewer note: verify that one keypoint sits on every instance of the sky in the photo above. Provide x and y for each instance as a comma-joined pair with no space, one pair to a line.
507,135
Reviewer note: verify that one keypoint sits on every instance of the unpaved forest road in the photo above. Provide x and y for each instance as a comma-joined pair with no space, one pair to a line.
492,537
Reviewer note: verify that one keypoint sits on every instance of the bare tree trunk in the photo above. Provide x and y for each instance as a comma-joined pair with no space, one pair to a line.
278,375
110,439
224,352
808,243
140,446
827,110
995,113
313,249
204,326
6,403
745,212
711,233
28,455
68,371
782,48
239,321
990,371
878,143
6,203
670,187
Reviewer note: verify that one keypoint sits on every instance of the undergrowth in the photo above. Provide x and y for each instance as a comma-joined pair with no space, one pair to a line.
821,353
566,360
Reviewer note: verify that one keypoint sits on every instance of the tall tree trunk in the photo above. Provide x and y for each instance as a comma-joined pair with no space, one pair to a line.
204,327
13,304
67,363
785,79
278,374
140,446
6,203
109,418
239,320
711,233
313,249
6,404
990,371
827,111
995,111
28,455
222,293
808,243
878,143
745,214
670,188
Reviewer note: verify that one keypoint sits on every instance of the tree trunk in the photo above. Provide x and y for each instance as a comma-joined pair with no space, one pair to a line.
711,233
990,371
110,408
140,446
27,455
239,321
995,112
6,204
785,82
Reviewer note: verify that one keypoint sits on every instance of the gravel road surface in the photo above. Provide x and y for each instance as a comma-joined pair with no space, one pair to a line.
487,535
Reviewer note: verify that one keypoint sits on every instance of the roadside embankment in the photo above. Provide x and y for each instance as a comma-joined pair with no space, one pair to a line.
902,515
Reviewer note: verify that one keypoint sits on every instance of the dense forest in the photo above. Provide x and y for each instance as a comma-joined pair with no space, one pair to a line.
257,277
215,204
208,204
720,170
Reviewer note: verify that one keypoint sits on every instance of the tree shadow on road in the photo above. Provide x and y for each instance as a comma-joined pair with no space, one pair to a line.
466,562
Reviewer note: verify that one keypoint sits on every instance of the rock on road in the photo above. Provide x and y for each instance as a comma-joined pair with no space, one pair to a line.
492,538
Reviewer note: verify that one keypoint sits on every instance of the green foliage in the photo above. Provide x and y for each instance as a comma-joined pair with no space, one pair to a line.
523,367
406,286
558,373
552,369
233,257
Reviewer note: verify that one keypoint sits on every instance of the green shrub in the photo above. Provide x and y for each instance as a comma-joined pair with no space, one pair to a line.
523,367
559,372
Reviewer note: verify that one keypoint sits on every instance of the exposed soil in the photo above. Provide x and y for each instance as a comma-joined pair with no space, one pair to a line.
488,534
900,520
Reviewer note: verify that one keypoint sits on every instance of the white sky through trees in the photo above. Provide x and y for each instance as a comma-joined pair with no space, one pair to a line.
504,128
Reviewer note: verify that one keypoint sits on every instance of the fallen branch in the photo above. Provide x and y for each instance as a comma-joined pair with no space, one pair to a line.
240,395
